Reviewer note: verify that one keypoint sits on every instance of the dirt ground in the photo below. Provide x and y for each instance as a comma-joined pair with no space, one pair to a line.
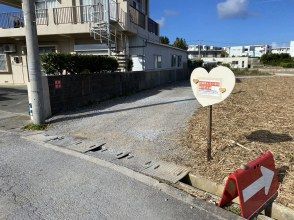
259,116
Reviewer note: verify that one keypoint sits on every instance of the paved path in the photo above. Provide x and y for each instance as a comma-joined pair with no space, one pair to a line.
147,124
43,182
14,99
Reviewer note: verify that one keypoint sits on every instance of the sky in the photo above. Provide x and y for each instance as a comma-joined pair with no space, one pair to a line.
224,22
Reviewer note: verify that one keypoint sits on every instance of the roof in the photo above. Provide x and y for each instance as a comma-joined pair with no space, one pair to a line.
13,3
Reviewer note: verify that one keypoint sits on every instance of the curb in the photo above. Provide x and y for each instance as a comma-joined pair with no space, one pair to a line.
279,211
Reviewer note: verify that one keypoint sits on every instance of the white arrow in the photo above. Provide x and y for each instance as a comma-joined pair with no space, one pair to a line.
265,181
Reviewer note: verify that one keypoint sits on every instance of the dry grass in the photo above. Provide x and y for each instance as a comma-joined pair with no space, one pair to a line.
259,115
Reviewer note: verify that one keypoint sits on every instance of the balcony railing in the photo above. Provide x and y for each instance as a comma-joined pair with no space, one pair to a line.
78,14
153,27
11,20
16,19
137,17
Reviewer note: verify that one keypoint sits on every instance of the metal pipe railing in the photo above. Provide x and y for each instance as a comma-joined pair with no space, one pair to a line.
78,14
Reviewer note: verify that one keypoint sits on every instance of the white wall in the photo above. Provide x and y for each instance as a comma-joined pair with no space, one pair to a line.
235,62
143,55
292,48
236,51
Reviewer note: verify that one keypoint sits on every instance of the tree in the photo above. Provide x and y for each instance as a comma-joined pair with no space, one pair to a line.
224,54
164,40
181,43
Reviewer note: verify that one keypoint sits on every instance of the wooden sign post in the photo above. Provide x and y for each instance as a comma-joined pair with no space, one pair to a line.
209,134
209,89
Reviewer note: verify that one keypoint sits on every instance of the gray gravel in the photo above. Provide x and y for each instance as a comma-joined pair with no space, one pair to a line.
147,124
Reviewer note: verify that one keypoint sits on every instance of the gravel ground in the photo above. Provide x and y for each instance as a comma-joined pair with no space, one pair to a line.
259,115
147,124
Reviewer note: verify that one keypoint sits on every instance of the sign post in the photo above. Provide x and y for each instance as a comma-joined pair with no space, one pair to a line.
209,89
209,134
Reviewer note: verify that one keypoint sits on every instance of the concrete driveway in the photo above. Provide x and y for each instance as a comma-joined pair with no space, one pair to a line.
147,124
14,99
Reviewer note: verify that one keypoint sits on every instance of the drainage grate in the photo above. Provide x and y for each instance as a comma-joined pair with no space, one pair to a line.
167,171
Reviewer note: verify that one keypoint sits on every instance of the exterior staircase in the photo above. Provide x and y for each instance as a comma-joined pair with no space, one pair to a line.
109,32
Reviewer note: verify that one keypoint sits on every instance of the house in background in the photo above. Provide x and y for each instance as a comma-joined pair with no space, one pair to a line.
280,50
120,28
249,51
199,51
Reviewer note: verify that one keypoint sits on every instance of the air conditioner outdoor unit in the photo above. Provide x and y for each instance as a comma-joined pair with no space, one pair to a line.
9,48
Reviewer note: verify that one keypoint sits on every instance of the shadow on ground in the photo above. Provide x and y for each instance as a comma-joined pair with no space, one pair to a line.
268,137
282,172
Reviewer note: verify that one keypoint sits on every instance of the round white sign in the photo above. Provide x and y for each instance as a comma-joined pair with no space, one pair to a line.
213,87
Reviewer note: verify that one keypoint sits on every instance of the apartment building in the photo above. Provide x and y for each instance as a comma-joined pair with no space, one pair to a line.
249,51
199,51
120,28
280,50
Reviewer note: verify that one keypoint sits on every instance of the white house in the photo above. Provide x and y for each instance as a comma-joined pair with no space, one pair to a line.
234,62
249,51
204,51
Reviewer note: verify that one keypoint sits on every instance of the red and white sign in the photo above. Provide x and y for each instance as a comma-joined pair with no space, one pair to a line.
256,186
210,88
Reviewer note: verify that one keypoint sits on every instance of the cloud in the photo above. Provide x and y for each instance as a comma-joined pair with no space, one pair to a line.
170,13
231,9
161,21
167,13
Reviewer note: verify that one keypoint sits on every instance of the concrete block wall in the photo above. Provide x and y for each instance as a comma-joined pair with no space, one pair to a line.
69,92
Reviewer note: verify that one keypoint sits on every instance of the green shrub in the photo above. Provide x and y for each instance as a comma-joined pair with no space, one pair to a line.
276,59
57,63
287,65
193,64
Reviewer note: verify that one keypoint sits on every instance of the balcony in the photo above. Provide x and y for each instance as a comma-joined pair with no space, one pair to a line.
137,17
153,27
78,14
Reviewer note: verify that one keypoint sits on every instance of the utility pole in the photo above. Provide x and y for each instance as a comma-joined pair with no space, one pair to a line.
199,50
34,66
107,13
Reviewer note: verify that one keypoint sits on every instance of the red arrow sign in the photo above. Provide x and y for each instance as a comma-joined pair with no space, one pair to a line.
256,186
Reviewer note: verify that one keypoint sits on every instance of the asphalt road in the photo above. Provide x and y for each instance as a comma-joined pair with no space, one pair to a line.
37,182
14,99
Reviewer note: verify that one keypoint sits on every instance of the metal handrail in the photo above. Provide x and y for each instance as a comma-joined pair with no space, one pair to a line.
137,17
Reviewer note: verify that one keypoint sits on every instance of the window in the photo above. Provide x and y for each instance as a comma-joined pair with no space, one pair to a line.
158,62
243,64
3,63
45,4
235,62
47,49
174,60
179,61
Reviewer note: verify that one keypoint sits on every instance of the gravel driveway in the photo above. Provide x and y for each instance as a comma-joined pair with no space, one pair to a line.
148,123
